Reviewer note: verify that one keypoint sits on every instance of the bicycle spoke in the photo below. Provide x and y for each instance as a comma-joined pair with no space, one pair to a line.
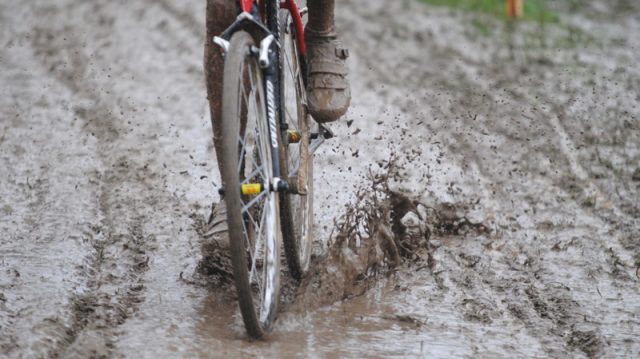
249,244
258,243
292,120
243,140
294,168
253,201
293,72
253,84
250,217
252,258
252,175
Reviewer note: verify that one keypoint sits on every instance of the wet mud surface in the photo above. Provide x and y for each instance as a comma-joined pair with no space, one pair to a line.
481,199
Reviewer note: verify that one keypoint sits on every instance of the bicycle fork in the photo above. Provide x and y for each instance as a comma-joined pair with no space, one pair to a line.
267,60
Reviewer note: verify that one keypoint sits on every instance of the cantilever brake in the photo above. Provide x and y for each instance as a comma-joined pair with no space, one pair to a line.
224,44
265,45
244,21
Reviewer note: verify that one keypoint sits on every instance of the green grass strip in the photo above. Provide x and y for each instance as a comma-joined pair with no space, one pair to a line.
535,10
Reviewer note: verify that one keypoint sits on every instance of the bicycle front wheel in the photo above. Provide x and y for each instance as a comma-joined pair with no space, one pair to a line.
247,169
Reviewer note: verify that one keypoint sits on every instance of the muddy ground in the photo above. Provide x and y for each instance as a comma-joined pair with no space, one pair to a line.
521,144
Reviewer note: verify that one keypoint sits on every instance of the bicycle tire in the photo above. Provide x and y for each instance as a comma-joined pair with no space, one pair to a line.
253,221
296,210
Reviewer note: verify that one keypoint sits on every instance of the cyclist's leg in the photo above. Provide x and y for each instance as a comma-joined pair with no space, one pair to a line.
219,15
321,15
329,94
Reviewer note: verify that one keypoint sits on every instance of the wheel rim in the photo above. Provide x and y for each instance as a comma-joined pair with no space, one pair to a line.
259,212
296,118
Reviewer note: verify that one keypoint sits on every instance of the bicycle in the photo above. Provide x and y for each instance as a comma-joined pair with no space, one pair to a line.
267,157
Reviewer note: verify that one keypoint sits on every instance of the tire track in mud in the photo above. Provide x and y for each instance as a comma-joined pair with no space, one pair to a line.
528,292
569,147
515,286
575,183
546,308
115,270
588,196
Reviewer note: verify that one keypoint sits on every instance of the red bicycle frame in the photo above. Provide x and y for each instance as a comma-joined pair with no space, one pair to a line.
292,7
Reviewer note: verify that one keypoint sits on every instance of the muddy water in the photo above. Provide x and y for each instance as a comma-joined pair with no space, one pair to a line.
108,173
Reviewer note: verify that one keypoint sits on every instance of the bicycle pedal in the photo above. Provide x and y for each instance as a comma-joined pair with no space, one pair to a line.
326,132
293,136
323,131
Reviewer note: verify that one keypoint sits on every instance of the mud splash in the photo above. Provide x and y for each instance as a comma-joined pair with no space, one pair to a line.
377,233
383,229
374,235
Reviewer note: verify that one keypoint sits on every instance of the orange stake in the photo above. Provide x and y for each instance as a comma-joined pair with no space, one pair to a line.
514,8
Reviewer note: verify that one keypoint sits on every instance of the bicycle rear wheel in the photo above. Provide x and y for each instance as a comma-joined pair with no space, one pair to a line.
247,169
296,208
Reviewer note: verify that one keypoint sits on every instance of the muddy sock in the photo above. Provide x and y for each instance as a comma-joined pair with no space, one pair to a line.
219,15
321,15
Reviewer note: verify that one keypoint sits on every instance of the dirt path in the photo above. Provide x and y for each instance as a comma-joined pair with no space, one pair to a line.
109,170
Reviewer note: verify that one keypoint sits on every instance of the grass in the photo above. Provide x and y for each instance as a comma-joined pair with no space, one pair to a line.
534,10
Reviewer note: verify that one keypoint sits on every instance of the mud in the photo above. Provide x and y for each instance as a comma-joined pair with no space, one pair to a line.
514,213
377,233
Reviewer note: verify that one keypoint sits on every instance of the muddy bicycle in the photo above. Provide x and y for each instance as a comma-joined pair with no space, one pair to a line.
267,153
